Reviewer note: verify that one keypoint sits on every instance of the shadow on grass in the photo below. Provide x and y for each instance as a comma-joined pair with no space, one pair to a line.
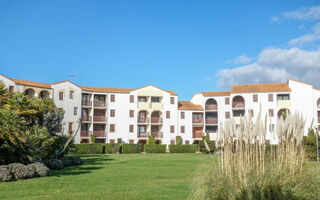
90,160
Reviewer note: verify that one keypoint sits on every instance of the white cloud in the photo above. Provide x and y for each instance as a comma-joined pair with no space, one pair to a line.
304,13
307,38
242,59
275,65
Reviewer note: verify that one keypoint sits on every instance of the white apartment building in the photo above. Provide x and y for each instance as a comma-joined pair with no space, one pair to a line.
133,114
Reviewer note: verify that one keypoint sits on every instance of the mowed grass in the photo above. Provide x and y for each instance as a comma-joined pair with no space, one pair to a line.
135,176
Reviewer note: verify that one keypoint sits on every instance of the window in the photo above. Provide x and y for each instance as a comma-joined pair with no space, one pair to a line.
187,142
113,98
111,142
11,88
131,141
131,128
271,113
71,94
131,98
141,129
75,110
271,127
155,99
227,115
227,101
251,112
60,95
171,129
131,113
171,141
168,114
255,98
112,113
142,99
283,97
70,127
172,100
182,129
182,115
270,97
112,128
238,113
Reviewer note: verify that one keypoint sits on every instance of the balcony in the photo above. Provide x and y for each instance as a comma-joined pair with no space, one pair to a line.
196,135
197,120
86,118
212,121
86,103
156,120
99,133
143,134
238,105
157,134
143,120
100,104
99,118
85,133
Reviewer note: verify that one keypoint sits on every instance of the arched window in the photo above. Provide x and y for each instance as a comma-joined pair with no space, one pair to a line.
211,104
30,92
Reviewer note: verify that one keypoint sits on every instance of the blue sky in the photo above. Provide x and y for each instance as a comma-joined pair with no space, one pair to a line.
184,46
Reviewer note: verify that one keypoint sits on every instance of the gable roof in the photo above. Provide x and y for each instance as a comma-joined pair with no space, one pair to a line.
101,89
169,91
188,105
31,83
265,87
213,94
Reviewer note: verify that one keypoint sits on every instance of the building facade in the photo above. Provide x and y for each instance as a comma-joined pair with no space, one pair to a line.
134,114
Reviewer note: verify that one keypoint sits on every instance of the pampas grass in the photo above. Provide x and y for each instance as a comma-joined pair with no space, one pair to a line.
248,168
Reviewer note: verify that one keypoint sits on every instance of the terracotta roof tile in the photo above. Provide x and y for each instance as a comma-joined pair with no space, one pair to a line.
100,89
31,83
188,105
266,87
213,94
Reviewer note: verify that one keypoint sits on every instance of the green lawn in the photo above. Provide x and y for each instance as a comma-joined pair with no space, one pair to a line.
136,176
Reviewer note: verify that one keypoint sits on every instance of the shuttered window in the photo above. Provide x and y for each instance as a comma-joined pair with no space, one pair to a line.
131,98
182,115
271,113
60,95
112,128
172,100
227,101
70,127
171,129
227,115
182,129
270,97
113,98
168,114
255,98
131,128
131,113
112,113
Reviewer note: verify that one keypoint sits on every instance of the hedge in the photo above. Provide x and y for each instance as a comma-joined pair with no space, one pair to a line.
203,148
112,148
89,148
131,148
183,148
155,148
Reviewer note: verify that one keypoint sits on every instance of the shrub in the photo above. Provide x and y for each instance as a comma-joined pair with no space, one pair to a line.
131,148
112,148
92,139
178,140
183,148
155,148
54,164
150,139
310,145
20,171
40,170
119,141
5,174
89,148
203,148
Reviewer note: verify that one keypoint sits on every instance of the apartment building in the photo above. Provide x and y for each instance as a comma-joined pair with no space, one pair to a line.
133,114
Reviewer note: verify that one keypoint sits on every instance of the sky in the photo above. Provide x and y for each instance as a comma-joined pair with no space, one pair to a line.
184,46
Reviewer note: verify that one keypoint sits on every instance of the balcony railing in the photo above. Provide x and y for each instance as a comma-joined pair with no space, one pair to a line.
212,121
196,135
100,104
99,133
157,134
156,119
211,107
85,133
86,103
238,105
143,120
197,120
99,118
86,118
143,134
